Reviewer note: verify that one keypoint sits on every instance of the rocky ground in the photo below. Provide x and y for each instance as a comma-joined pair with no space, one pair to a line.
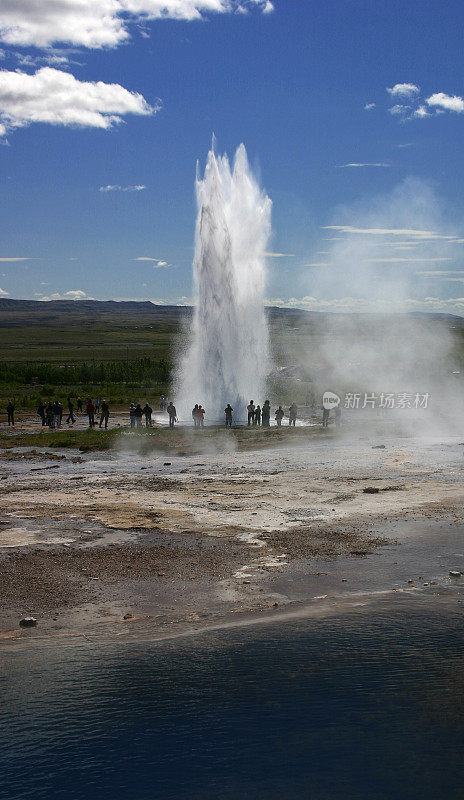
135,544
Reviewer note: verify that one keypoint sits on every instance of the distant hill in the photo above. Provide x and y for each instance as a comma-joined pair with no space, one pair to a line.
52,312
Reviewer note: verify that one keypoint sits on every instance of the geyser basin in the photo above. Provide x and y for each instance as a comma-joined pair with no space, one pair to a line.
227,355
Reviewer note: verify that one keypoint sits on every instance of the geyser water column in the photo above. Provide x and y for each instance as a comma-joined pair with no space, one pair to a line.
227,355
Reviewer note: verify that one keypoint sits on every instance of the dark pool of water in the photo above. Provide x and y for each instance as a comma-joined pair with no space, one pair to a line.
365,706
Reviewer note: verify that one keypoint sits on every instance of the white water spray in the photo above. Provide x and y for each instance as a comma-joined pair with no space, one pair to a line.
228,353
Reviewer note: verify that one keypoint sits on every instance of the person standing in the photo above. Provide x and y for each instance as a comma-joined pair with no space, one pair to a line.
10,409
79,405
325,417
49,415
138,413
292,414
90,411
147,410
201,416
70,416
257,419
97,404
279,415
41,413
266,414
195,416
105,413
58,413
251,412
132,415
171,409
228,412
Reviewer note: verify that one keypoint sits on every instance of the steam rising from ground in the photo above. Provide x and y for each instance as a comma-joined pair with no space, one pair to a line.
228,355
392,254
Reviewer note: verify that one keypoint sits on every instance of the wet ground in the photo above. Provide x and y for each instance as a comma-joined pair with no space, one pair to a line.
120,544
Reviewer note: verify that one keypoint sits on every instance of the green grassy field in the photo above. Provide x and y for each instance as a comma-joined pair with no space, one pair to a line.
126,352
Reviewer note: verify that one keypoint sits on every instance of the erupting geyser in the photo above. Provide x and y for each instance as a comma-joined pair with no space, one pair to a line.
228,353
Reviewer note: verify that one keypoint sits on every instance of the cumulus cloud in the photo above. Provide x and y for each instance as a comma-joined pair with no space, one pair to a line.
3,293
369,106
58,98
72,294
101,23
114,187
446,102
404,90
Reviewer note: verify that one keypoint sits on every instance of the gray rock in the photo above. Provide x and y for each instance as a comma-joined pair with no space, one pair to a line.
27,622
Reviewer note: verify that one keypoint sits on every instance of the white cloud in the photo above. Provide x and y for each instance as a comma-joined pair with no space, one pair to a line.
401,260
416,234
369,106
439,272
72,294
113,187
21,258
58,98
156,262
353,164
399,110
317,264
421,112
446,101
100,23
3,293
406,90
279,255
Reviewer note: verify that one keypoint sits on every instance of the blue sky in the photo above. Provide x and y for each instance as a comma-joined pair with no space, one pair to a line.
106,107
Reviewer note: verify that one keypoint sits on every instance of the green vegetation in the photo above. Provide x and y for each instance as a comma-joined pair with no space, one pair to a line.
125,352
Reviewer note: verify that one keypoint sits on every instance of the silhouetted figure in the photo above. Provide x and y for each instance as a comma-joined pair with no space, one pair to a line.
97,404
90,411
171,409
201,416
257,419
70,417
162,403
58,412
195,417
228,412
41,412
79,405
132,415
292,414
279,415
338,416
49,416
266,414
148,411
251,412
325,417
138,413
105,413
10,409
